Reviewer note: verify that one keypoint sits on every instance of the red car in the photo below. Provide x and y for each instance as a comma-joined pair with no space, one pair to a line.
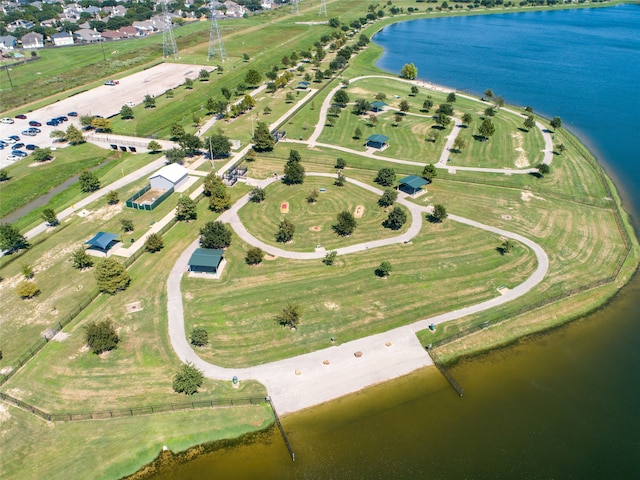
111,83
21,116
33,123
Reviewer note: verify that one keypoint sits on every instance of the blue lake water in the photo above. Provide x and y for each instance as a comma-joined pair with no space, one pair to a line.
563,405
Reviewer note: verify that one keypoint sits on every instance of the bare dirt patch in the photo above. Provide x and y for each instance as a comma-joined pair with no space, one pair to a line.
359,211
61,336
188,296
506,217
133,307
332,306
4,414
528,196
150,196
108,211
315,228
522,161
270,257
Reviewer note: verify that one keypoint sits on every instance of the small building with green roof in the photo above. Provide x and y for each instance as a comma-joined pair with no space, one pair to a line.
412,184
102,242
377,141
207,260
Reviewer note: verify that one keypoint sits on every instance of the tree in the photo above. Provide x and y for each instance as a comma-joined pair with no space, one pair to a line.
414,90
126,224
27,271
217,106
89,182
293,173
101,336
543,169
388,197
149,101
126,112
488,93
556,123
445,108
529,122
507,246
486,129
427,105
346,223
169,94
340,180
186,209
257,195
397,119
560,148
253,78
313,196
267,110
248,102
384,269
219,146
196,119
467,119
357,133
74,136
176,131
429,172
294,156
219,198
439,213
153,243
286,229
85,121
404,106
42,155
199,337
490,111
499,101
385,177
340,163
442,119
373,120
174,155
245,57
27,289
101,124
459,144
409,71
188,84
215,235
330,258
361,106
188,379
154,146
254,256
80,259
290,316
111,276
341,98
451,98
262,138
334,111
190,144
4,175
396,219
49,216
203,75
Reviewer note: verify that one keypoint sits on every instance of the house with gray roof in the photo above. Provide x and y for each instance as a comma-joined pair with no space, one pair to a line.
62,38
88,35
8,42
32,40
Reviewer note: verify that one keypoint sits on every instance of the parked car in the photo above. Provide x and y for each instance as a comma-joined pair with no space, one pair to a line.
8,141
13,158
16,146
6,120
61,119
14,137
19,153
21,116
29,133
53,122
2,146
111,83
34,123
130,104
73,114
3,143
31,147
34,129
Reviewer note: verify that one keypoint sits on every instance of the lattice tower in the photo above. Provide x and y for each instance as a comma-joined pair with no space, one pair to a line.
169,47
323,8
216,47
294,7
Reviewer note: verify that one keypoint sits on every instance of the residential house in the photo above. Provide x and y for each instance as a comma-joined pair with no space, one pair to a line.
88,35
144,28
8,42
128,32
117,11
93,11
61,39
16,24
49,22
32,40
234,10
111,35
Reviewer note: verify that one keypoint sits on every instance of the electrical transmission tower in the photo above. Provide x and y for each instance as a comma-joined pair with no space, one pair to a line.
216,47
169,47
294,7
323,8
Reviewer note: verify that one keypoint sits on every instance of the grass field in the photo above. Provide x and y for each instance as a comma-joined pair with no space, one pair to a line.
262,219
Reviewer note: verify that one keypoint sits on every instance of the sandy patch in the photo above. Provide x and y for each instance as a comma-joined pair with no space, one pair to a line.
315,228
108,211
528,196
359,91
270,257
188,296
506,217
284,207
133,307
61,336
332,306
359,211
6,370
522,161
37,164
4,413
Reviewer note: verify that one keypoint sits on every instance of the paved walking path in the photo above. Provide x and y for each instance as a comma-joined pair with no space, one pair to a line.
307,380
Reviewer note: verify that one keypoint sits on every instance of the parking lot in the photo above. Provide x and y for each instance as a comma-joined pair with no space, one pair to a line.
104,100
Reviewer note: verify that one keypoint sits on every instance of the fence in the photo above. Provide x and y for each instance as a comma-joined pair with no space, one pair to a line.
132,411
131,201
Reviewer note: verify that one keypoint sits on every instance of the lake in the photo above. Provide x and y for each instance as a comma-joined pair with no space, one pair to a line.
560,405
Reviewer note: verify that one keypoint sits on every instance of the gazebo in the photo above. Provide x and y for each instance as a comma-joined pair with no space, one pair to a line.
303,85
103,242
206,260
377,140
412,184
378,106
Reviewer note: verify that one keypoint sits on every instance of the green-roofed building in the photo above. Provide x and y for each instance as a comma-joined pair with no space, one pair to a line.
378,106
377,140
206,260
103,242
412,184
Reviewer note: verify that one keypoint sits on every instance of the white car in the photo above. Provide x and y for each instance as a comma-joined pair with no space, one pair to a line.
130,104
12,158
7,120
10,141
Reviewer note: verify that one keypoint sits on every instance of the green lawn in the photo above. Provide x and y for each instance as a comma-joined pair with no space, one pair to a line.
262,219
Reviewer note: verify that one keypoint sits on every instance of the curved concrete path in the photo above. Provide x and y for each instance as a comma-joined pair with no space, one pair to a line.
306,380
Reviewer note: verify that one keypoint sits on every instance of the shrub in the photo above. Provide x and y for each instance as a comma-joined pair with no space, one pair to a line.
154,243
254,256
199,337
101,336
188,379
80,259
27,289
